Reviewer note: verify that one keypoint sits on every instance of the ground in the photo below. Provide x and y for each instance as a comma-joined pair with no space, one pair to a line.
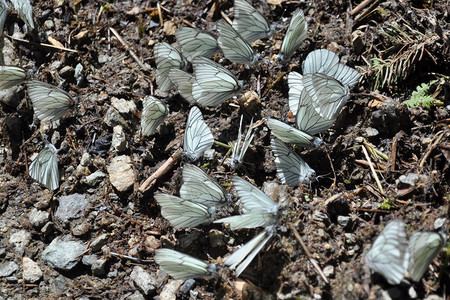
397,46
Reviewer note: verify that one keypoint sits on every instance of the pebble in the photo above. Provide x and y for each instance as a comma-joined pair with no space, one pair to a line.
99,242
113,118
123,106
71,207
7,268
169,291
10,97
343,221
119,139
67,72
20,240
31,271
143,280
216,238
103,58
89,260
38,218
85,160
98,267
63,253
136,296
121,173
95,178
328,270
187,286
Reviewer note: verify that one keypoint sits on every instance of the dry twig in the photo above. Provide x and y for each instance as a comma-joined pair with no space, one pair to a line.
48,46
380,187
131,52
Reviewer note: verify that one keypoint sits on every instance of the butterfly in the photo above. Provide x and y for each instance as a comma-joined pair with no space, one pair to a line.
50,103
25,11
183,213
295,35
327,62
259,210
154,112
237,156
167,58
197,137
4,9
250,24
194,42
243,256
301,105
183,81
291,168
213,83
201,188
182,266
289,134
234,46
44,168
11,76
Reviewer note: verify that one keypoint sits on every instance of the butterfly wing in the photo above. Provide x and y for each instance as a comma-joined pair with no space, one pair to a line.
167,58
182,266
153,114
291,168
183,81
25,11
44,168
250,24
238,153
389,255
50,103
295,35
253,199
234,46
289,134
423,248
250,220
213,83
197,137
4,9
11,76
183,213
196,42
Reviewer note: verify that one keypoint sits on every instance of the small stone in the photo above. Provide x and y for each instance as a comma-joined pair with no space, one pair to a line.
67,72
103,58
47,228
439,222
89,260
121,173
10,97
136,296
95,178
81,229
63,253
123,106
98,267
143,280
99,242
187,286
38,218
49,24
113,118
209,154
20,240
328,270
343,221
12,279
350,238
31,271
71,207
119,139
7,268
216,238
250,100
169,291
85,159
408,180
169,28
370,132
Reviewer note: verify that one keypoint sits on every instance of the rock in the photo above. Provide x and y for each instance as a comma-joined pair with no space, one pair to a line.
47,228
343,221
20,240
95,178
371,132
169,291
89,260
31,271
121,173
71,207
439,222
7,268
328,271
98,267
103,58
38,218
113,118
119,139
63,253
67,72
123,106
350,238
143,280
99,242
10,97
85,160
410,180
136,296
187,286
81,229
216,238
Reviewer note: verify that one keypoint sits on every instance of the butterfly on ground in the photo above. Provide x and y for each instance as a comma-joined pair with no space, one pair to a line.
167,58
184,81
44,168
154,111
11,76
238,152
197,136
249,22
295,35
195,42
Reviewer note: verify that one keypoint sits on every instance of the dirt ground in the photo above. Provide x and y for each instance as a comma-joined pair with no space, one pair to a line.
396,45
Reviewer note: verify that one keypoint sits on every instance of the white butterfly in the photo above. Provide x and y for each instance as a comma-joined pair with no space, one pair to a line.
327,62
196,42
44,168
259,210
4,9
291,168
25,11
201,188
11,76
234,46
295,35
327,94
50,103
183,213
154,112
183,81
238,153
423,248
167,58
250,24
213,83
291,135
197,137
182,266
300,103
389,255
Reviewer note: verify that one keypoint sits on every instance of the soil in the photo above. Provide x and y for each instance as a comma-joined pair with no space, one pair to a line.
338,216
